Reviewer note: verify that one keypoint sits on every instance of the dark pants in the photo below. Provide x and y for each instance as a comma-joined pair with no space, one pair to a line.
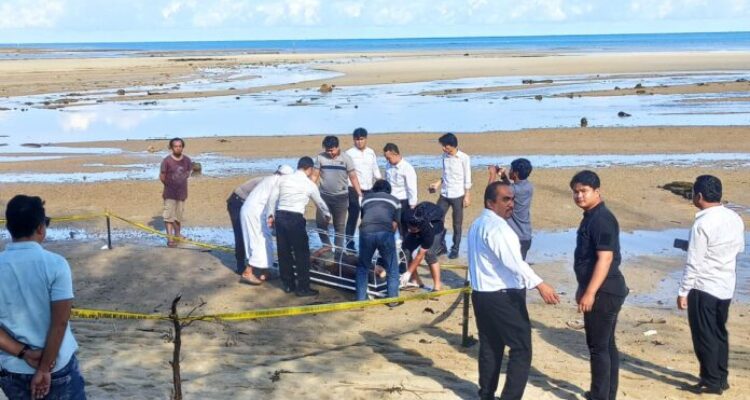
457,215
402,218
67,384
525,246
707,316
337,205
234,205
385,243
293,246
503,320
600,325
353,217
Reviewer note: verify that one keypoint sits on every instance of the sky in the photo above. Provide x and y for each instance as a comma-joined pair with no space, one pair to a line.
46,21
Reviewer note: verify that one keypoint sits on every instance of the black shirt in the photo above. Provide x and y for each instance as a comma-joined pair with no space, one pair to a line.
379,211
430,217
599,231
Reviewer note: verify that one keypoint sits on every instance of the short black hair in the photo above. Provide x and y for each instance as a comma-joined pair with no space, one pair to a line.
709,188
449,139
490,192
359,132
24,214
330,142
173,140
305,163
391,147
381,186
522,167
586,178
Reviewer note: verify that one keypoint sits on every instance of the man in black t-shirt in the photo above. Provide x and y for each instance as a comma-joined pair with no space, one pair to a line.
601,286
426,228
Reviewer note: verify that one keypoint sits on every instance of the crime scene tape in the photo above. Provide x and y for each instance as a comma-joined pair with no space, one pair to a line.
160,233
268,312
70,218
453,266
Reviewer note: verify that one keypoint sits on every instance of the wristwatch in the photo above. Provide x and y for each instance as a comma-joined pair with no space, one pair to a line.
23,351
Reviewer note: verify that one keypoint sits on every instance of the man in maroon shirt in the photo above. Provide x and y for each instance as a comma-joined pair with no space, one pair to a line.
175,171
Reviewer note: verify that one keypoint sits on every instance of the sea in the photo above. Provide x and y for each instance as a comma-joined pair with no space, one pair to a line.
654,42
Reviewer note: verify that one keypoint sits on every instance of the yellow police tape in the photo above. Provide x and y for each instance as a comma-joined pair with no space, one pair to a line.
268,312
70,218
179,239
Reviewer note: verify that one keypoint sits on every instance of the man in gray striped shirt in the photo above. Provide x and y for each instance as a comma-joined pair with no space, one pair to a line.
380,215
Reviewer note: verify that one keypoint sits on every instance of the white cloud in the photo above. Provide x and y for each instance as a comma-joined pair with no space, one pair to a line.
350,9
17,14
305,12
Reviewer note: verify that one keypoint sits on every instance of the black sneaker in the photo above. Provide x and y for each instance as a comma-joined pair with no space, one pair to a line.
701,388
453,255
306,293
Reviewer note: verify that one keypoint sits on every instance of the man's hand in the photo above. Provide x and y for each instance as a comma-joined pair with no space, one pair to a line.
682,302
40,384
467,200
33,357
548,293
586,303
270,221
328,218
492,169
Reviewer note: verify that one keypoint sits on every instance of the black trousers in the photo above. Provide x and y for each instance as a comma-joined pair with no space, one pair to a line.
708,316
525,246
402,218
234,205
353,217
293,246
457,215
503,320
600,324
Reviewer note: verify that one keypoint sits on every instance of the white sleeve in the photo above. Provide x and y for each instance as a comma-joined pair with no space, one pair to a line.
273,200
411,185
696,253
375,169
467,172
505,244
315,195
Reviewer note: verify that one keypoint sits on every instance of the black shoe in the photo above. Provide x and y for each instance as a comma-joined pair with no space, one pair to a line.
453,255
306,293
725,386
701,388
288,288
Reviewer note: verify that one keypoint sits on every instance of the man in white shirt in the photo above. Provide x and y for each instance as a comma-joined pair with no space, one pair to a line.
499,280
36,296
366,167
455,185
707,286
285,210
403,179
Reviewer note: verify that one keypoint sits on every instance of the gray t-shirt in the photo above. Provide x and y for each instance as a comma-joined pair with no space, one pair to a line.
334,173
379,212
520,221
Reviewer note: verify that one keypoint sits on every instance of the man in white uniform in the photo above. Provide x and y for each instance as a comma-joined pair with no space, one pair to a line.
366,167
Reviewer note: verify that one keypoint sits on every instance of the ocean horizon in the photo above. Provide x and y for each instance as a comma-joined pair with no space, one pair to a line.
713,41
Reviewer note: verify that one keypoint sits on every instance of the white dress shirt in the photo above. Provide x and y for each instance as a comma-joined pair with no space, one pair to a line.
717,236
456,178
495,261
403,180
293,193
365,165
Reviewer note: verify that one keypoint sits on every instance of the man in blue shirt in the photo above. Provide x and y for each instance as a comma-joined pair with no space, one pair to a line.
36,296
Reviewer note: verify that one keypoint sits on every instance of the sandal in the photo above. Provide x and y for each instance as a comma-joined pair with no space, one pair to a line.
253,281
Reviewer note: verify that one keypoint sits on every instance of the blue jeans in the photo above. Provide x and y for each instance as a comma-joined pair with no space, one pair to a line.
385,243
67,384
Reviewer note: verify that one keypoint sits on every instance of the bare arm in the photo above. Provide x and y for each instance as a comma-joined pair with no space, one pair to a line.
163,177
412,269
315,177
40,382
601,270
14,347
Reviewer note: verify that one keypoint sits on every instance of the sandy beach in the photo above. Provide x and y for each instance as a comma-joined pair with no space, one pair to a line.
412,351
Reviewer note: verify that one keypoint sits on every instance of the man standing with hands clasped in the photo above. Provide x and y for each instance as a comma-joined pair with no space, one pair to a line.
707,286
601,286
499,280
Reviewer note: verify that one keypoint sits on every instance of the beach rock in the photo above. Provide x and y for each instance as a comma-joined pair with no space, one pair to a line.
741,80
639,86
237,97
32,145
538,97
4,109
640,91
151,149
700,84
326,88
584,122
617,88
532,81
148,103
623,114
121,92
680,188
197,168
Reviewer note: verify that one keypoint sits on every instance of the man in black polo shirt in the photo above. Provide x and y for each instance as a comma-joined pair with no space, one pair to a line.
425,230
601,286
